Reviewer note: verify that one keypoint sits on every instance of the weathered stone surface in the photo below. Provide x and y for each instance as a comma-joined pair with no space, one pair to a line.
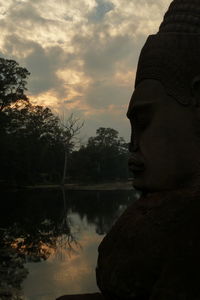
153,250
95,296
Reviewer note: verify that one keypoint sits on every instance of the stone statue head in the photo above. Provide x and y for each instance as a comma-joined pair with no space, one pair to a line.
164,110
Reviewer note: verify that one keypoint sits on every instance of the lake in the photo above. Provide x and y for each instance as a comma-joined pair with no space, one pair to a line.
55,234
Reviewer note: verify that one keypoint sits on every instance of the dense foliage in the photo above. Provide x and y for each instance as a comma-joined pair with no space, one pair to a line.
32,146
12,83
103,158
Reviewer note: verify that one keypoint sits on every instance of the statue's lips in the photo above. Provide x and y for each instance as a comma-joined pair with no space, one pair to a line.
136,164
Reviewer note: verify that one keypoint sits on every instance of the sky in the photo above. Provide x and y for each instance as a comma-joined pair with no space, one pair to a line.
82,54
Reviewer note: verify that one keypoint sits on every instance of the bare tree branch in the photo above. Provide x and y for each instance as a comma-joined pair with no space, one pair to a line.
71,128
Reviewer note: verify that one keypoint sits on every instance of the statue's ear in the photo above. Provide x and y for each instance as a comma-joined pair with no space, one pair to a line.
195,89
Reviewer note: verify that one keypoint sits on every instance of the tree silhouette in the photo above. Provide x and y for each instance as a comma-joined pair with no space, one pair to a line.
32,137
103,158
70,130
12,83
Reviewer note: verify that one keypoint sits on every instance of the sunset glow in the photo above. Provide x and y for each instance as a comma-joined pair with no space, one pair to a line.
82,55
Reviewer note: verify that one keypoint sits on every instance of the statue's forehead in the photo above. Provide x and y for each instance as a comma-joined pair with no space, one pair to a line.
146,96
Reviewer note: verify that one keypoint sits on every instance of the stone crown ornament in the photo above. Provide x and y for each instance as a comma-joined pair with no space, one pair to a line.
172,56
183,16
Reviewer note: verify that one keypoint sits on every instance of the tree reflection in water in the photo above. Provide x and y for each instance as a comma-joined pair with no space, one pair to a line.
38,229
35,224
31,230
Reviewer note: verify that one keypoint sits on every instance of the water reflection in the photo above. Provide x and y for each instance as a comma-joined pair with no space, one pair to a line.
61,231
67,272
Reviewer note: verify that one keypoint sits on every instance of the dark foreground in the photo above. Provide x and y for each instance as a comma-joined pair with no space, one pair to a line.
152,251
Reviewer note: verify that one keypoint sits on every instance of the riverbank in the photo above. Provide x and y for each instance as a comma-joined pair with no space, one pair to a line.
106,186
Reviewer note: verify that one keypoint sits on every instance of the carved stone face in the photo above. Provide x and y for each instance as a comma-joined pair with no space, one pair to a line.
165,145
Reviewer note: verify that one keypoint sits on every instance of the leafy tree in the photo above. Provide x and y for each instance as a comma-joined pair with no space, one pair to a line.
103,158
32,144
12,83
105,137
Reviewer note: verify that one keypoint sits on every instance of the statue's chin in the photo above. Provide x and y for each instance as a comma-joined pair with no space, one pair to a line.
143,185
139,184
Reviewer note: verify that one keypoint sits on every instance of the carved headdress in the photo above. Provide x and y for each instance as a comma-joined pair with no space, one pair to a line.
172,56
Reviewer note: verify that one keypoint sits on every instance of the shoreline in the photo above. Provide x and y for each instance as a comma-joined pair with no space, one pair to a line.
107,186
104,186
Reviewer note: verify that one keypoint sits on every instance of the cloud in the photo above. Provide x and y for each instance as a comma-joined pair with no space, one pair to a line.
100,10
82,55
43,63
24,18
104,54
103,94
103,57
26,15
68,101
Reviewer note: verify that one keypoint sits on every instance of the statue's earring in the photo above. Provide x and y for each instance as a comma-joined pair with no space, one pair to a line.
195,90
